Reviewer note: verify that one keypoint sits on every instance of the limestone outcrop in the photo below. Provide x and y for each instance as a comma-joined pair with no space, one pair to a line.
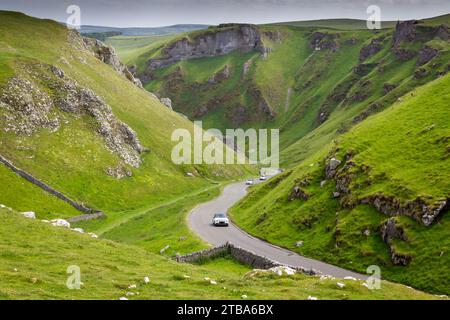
30,102
221,40
109,56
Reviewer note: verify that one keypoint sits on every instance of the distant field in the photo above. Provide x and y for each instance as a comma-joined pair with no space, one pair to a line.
342,24
130,48
355,24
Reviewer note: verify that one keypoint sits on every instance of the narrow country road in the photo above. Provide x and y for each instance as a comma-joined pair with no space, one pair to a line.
200,222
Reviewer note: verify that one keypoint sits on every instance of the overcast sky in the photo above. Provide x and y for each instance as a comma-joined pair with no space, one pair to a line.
150,13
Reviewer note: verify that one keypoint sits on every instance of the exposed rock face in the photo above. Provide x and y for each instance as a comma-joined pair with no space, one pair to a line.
371,109
388,87
167,102
422,211
426,54
404,31
364,69
370,50
298,193
246,67
220,75
223,40
108,55
331,167
324,41
238,115
263,105
418,209
119,172
390,231
29,108
411,31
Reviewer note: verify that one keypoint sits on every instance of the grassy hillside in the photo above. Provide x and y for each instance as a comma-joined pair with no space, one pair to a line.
318,79
401,154
73,158
129,48
340,24
36,269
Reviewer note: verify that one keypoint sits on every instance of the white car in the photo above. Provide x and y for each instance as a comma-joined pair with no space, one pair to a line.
263,178
249,182
220,219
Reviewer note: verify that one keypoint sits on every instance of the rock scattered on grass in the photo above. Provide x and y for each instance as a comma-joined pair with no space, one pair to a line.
29,215
164,249
60,223
340,285
280,270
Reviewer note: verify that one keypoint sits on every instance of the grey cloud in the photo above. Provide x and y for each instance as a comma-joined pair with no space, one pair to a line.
166,12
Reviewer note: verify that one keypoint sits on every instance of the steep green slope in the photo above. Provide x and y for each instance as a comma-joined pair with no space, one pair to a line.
340,24
25,196
313,82
31,268
75,123
130,48
395,163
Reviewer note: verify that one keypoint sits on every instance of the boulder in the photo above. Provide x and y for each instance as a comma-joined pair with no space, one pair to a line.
280,270
331,167
119,172
29,215
167,102
60,223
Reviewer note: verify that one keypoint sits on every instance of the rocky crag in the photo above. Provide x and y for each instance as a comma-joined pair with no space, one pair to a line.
221,40
31,101
104,53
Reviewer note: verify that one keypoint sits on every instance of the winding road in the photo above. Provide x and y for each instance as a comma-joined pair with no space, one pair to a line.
200,220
